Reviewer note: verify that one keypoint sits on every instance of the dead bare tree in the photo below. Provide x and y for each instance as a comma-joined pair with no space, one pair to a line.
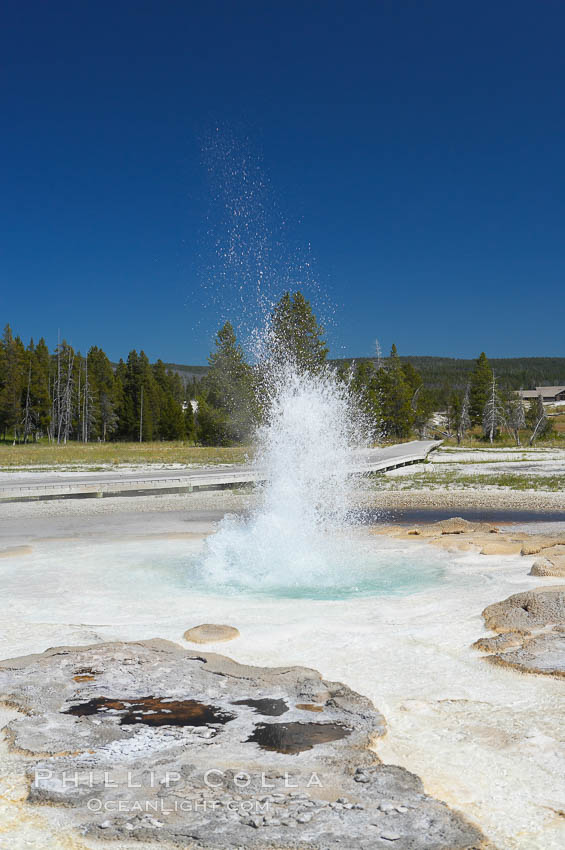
29,418
541,420
379,363
65,398
108,415
515,417
464,422
493,414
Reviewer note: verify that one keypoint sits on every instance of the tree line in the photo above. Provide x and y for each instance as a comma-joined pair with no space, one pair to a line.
444,375
393,395
494,408
63,395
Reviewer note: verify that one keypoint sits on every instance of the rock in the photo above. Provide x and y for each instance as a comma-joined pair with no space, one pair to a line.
390,836
455,525
502,547
255,822
515,619
527,611
150,695
459,535
537,542
545,567
501,641
544,654
211,633
552,563
541,567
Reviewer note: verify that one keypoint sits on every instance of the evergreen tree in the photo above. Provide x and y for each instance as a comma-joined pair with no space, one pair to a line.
138,407
365,390
411,375
296,334
148,400
88,402
480,388
40,397
396,398
171,421
189,422
229,387
105,391
212,424
125,403
11,383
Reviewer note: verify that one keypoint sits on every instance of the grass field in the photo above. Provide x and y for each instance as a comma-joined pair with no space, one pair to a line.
505,441
95,455
453,479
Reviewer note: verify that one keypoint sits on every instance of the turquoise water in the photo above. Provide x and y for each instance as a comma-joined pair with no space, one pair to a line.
117,581
346,571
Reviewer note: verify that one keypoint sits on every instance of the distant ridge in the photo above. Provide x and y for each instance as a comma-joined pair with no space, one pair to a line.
514,373
187,371
453,372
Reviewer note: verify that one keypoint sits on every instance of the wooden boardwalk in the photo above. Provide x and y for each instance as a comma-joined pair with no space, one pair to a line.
20,486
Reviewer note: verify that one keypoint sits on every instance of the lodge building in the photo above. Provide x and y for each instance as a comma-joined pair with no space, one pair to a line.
549,395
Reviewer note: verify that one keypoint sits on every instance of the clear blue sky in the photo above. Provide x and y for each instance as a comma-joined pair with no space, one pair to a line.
417,147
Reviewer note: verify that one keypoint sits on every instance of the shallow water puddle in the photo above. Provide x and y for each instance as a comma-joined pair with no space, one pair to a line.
153,711
265,706
293,738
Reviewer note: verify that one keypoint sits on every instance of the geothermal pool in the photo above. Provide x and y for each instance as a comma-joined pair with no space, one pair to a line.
399,630
118,580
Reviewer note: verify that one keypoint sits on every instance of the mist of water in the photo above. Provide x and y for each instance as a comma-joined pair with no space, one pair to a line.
296,536
311,428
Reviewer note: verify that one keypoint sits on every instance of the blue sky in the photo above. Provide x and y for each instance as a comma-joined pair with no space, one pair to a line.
414,151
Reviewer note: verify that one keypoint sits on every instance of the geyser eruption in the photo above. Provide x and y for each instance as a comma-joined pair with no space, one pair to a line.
306,443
